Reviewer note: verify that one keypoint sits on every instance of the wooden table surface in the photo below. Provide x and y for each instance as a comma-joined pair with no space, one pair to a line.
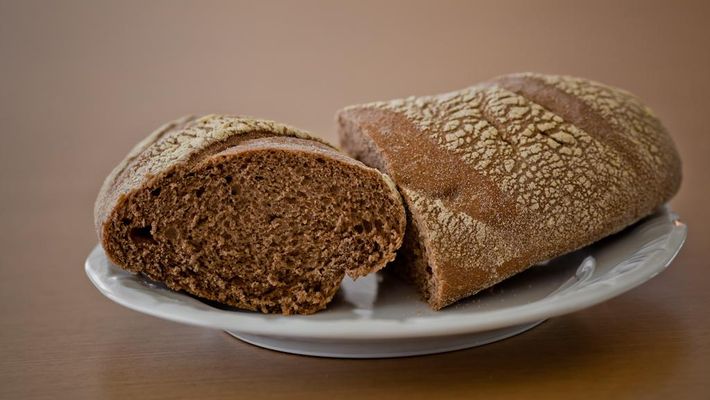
81,82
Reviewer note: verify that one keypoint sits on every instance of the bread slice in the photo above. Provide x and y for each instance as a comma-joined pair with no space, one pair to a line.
249,213
511,172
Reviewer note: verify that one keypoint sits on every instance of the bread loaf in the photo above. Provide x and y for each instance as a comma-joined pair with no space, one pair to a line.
511,172
249,213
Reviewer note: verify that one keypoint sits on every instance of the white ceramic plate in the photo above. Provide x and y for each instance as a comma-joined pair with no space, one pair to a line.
379,316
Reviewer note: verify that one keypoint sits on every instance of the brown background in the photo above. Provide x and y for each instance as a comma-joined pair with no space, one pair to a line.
80,83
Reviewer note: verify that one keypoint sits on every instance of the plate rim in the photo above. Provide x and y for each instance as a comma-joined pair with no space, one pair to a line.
414,327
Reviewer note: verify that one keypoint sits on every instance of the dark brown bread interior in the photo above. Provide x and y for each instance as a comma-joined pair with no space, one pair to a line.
511,172
263,220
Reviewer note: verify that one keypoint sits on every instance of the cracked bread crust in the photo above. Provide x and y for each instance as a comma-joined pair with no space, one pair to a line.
511,172
249,213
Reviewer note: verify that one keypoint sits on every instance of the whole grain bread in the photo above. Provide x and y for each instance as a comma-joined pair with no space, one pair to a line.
511,172
249,213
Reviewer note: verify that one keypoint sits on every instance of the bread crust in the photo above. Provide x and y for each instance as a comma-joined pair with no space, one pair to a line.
511,172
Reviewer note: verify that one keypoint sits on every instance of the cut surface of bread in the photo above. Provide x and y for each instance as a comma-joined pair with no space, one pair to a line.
259,216
511,172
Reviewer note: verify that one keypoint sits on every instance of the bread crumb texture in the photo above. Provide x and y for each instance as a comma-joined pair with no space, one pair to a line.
248,213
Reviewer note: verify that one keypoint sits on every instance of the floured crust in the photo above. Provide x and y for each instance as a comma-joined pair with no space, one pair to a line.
514,171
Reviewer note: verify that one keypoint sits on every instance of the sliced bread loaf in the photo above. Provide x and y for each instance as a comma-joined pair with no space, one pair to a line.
511,172
249,213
